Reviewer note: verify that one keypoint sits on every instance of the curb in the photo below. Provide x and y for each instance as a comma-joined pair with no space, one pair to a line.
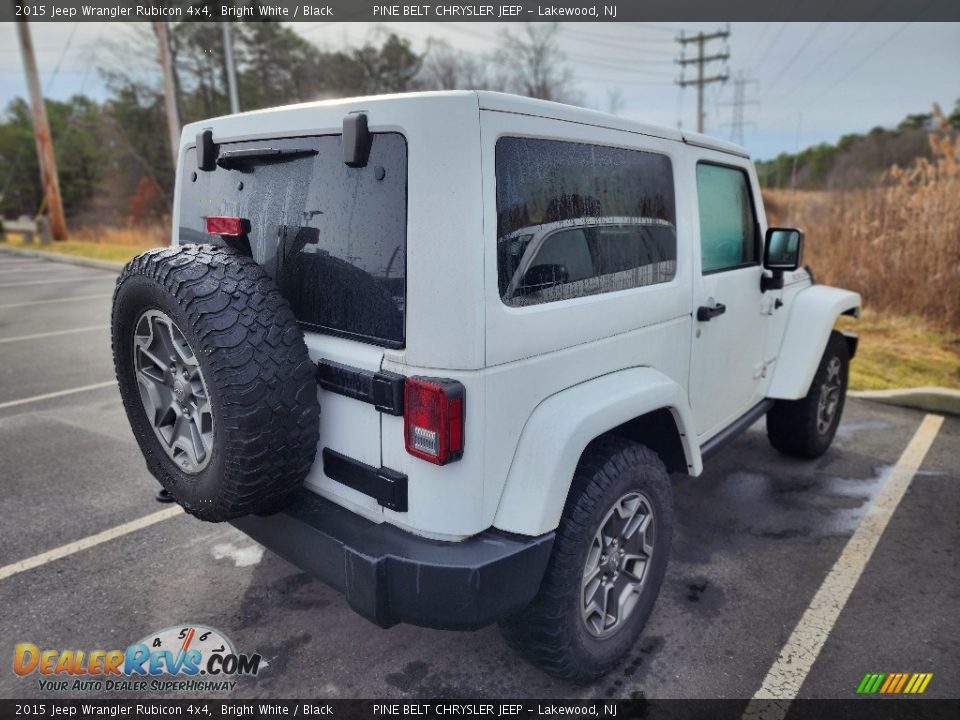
67,259
931,399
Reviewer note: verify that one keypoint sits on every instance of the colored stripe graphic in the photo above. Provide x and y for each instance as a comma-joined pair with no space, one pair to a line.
894,683
891,679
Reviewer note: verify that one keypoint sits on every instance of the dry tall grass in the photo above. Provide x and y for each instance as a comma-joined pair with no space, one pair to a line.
147,236
898,244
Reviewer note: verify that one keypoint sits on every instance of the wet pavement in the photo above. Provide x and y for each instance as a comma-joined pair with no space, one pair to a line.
755,537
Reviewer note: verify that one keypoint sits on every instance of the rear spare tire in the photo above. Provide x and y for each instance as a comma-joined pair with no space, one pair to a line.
215,379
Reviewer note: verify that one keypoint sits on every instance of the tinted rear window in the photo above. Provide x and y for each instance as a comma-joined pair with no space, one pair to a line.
333,237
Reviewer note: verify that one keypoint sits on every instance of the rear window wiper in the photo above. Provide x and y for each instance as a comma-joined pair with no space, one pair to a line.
238,157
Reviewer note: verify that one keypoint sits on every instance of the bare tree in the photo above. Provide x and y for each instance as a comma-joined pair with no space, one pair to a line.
615,101
441,66
447,68
535,64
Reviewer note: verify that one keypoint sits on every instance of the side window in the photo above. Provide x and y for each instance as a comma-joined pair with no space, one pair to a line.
728,224
576,219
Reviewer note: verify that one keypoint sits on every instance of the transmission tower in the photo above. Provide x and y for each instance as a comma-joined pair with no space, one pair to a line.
740,101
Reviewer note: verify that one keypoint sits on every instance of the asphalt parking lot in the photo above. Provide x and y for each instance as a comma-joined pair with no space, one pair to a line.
756,535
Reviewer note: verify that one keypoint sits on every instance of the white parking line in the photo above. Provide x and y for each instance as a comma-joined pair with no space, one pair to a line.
786,676
58,393
89,542
53,333
55,300
85,278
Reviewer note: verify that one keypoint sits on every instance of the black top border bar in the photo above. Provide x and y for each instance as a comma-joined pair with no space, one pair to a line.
669,11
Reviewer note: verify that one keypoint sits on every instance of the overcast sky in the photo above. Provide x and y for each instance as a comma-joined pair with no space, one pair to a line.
814,81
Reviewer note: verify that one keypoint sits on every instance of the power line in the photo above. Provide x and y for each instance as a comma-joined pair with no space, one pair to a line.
637,55
626,46
657,26
773,83
864,60
840,46
756,45
608,81
56,69
616,37
783,26
622,67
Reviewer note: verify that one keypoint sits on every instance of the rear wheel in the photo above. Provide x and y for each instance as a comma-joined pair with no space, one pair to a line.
608,563
805,428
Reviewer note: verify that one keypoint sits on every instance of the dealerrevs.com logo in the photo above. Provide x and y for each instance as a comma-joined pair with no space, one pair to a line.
182,658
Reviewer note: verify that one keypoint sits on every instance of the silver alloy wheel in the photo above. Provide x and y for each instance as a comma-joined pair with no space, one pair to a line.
617,565
829,396
173,391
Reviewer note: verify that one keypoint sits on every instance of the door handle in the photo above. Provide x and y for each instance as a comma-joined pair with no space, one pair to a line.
705,312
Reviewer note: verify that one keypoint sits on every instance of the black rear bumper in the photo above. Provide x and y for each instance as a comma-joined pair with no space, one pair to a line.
391,576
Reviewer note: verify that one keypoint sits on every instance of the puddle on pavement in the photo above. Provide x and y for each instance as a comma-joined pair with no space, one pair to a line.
849,430
788,507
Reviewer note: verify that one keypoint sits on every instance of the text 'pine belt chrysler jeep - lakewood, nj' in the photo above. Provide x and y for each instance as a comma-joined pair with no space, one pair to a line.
442,351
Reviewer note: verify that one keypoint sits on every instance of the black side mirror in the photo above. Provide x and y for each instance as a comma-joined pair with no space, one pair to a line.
782,251
541,277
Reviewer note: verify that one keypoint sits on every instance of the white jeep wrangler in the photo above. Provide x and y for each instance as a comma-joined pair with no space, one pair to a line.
517,317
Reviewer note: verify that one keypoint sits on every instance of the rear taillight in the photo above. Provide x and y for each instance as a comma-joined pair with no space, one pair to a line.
225,226
433,419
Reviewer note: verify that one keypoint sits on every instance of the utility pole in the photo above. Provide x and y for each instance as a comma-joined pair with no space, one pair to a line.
737,123
169,89
231,68
701,60
41,130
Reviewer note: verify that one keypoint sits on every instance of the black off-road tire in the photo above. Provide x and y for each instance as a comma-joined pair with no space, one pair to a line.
792,425
551,632
260,380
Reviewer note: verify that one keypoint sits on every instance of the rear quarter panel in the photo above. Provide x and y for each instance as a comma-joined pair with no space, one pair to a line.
535,352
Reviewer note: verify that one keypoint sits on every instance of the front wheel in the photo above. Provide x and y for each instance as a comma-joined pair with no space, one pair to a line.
805,428
608,562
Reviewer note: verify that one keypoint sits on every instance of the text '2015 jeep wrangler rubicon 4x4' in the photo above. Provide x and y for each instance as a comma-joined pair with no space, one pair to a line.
517,318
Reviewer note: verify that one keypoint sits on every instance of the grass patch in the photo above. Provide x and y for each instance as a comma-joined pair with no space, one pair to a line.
118,244
898,352
80,248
